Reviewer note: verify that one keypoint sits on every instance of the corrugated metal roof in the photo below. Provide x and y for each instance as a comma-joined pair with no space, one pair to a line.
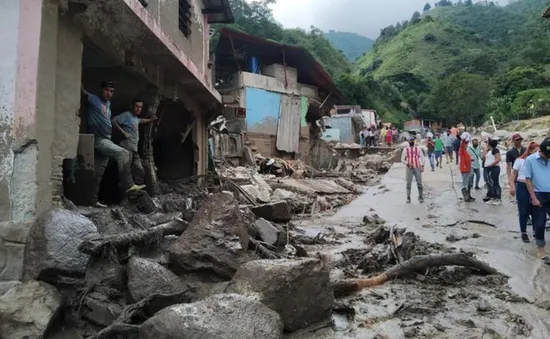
288,131
310,72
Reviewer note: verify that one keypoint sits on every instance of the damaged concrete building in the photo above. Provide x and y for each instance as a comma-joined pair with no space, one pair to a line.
157,50
271,92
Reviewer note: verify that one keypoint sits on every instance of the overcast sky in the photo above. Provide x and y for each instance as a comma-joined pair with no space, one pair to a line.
365,17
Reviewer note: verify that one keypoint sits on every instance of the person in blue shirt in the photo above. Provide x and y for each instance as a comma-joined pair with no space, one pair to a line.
98,116
537,179
127,124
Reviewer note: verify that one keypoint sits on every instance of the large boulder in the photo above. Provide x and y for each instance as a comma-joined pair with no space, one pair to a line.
276,211
299,290
221,316
146,277
27,310
52,245
216,241
502,135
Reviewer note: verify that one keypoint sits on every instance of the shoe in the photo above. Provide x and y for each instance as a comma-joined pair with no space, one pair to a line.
99,205
496,202
525,238
477,188
486,199
135,188
421,199
408,200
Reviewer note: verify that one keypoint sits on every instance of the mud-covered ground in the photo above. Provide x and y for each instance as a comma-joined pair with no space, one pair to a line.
447,302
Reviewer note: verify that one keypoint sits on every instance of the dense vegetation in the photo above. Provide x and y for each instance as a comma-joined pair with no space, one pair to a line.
256,18
352,45
465,61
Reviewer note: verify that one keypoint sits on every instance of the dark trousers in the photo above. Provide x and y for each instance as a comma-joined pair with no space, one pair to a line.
525,208
539,217
138,174
456,155
493,182
477,174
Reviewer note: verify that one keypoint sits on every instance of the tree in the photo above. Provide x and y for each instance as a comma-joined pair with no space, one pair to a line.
416,17
532,103
469,3
460,97
519,79
427,7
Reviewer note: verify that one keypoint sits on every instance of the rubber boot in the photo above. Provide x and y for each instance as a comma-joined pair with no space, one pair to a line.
465,194
470,198
421,194
408,195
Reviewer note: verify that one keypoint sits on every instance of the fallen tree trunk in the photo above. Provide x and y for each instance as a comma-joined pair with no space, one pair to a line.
132,315
414,264
97,246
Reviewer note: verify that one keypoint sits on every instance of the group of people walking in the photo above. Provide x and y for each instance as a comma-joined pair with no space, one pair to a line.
373,136
528,172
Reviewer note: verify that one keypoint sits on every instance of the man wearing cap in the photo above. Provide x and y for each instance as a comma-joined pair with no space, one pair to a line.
413,158
514,153
99,124
537,179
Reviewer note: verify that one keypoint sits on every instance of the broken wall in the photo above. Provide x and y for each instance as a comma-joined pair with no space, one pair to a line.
39,96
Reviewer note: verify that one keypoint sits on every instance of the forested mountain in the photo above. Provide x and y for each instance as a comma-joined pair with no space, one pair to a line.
464,61
351,44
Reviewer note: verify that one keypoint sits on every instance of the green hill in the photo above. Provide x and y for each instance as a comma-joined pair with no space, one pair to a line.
435,59
351,44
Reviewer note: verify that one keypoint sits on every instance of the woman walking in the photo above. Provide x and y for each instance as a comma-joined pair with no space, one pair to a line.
492,166
519,189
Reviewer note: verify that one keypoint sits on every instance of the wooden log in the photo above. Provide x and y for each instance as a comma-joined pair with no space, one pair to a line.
97,246
412,265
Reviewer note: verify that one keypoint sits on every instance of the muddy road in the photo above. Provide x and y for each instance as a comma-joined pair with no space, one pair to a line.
446,303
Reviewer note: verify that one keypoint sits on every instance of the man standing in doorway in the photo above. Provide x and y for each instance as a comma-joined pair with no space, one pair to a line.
475,153
514,153
413,158
127,124
99,124
537,174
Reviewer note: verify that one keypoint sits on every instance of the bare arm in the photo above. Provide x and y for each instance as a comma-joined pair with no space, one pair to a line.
509,169
530,188
145,121
512,179
404,157
118,127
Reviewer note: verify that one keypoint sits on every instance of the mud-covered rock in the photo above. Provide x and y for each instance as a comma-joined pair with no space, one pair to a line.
216,241
98,310
283,195
222,316
277,211
261,196
27,310
299,290
350,186
52,245
267,232
146,277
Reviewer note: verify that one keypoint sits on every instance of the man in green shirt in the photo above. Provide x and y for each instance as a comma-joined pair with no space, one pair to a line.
438,150
475,153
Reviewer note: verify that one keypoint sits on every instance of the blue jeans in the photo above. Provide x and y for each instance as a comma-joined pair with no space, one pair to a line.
431,157
525,208
539,217
477,174
105,149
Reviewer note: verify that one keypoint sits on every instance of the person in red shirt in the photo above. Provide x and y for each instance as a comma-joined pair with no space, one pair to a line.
465,165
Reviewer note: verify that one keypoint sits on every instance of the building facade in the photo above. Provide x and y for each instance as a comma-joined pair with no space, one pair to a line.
51,48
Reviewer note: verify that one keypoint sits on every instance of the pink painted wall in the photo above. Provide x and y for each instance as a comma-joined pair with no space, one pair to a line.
30,18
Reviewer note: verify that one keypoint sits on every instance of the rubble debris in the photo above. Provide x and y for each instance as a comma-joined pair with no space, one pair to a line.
217,317
7,285
146,277
52,245
99,310
283,195
27,310
216,241
373,219
120,241
350,186
412,265
262,197
299,290
276,211
267,232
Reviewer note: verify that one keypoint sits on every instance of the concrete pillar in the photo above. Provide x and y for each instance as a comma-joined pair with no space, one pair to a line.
200,138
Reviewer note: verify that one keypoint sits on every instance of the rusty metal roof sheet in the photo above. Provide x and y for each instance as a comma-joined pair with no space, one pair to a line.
310,71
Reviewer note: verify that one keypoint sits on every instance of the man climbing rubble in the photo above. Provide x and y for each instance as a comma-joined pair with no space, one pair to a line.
98,116
413,158
127,124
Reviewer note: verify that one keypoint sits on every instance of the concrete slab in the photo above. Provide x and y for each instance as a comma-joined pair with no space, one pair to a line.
309,186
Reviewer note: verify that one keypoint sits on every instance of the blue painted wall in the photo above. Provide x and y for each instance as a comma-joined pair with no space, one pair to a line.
262,110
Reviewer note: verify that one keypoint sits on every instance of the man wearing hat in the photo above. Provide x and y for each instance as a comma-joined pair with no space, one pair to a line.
514,153
537,179
413,158
98,117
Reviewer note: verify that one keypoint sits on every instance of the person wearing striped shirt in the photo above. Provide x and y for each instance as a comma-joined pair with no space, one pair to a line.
413,158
